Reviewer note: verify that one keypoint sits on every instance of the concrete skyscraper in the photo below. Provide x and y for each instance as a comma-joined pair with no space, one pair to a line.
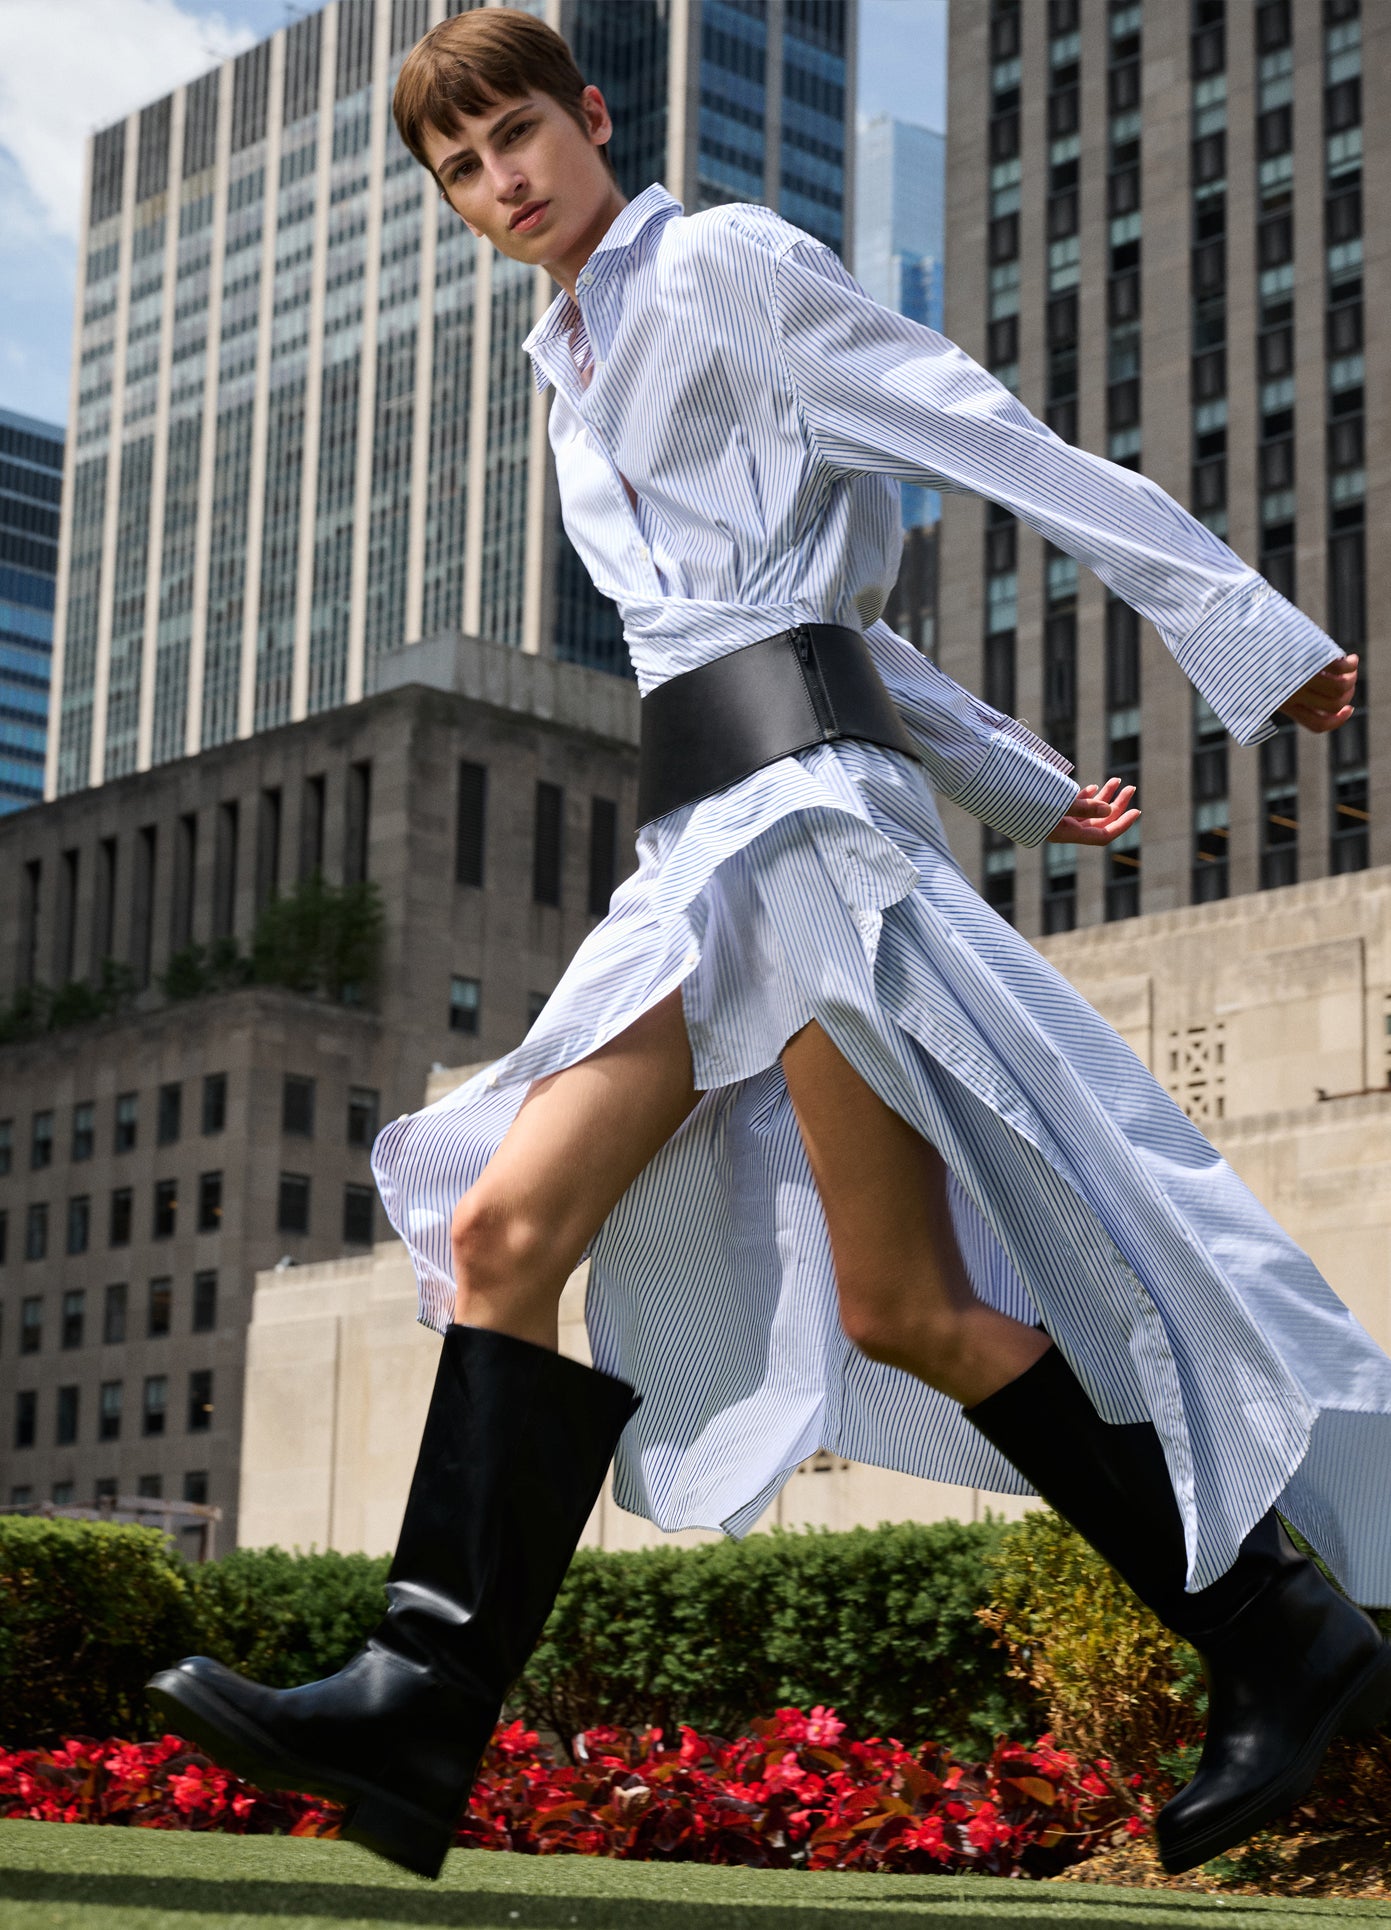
1155,237
31,479
304,428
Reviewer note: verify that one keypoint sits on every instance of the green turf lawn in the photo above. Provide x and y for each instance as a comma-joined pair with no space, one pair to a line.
66,1876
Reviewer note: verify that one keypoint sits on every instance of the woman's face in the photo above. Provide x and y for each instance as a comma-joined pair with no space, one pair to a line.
527,177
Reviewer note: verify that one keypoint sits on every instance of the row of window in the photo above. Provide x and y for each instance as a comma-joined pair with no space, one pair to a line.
292,1214
297,1109
1345,610
116,1326
150,1487
154,1409
547,839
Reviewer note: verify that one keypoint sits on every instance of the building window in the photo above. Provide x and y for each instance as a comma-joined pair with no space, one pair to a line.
122,1207
62,1494
998,864
156,1403
1280,814
292,1212
84,1130
104,1491
6,1146
535,1006
79,1223
109,1413
125,1121
205,1302
166,1208
26,1417
209,1202
31,1324
297,1106
150,1487
603,853
4,1234
160,1313
74,1317
113,1319
214,1102
36,1231
363,1103
464,996
65,1418
1059,887
41,1142
469,823
169,1112
200,1400
546,854
358,1204
196,1487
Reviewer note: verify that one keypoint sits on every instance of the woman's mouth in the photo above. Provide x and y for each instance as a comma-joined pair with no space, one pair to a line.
530,219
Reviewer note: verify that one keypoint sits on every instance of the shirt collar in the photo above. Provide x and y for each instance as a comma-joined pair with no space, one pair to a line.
601,284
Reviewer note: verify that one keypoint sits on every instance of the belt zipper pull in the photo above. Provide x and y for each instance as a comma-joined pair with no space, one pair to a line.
811,676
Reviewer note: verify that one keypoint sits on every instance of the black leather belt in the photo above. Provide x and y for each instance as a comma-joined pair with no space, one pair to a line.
710,726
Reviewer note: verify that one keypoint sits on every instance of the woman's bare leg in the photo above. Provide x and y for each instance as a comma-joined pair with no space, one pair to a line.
580,1137
905,1297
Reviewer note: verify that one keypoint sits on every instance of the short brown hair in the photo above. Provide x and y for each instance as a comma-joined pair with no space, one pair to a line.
467,64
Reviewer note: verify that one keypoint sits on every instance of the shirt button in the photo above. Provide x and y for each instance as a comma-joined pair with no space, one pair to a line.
585,279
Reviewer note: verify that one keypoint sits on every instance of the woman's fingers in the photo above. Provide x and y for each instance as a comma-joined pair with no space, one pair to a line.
1104,833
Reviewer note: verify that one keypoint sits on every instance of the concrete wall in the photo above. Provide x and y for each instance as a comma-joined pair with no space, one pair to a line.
1247,1010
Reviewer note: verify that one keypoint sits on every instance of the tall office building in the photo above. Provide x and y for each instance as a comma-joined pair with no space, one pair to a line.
1155,224
31,481
900,212
304,429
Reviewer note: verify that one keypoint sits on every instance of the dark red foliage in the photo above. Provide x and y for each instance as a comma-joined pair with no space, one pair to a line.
795,1792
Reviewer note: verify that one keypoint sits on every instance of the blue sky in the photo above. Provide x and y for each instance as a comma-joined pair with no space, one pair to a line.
114,55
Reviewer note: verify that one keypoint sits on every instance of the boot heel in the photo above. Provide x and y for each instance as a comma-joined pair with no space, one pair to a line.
1371,1706
400,1832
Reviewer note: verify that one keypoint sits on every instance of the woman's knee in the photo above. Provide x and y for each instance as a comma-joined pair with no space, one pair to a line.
921,1339
497,1243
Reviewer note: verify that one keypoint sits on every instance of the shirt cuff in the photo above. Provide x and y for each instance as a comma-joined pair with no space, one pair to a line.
1019,791
1249,654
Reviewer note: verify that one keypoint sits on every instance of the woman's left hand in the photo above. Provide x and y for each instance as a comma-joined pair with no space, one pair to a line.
1097,815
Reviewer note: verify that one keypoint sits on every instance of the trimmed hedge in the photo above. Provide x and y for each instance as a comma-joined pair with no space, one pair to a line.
84,1607
282,1618
880,1623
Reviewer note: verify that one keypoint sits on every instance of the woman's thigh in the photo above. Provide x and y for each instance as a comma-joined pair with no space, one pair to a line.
883,1190
579,1139
906,1298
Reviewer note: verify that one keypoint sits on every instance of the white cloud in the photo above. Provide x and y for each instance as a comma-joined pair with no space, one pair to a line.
69,66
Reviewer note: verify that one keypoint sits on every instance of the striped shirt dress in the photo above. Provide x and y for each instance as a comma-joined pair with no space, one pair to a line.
764,409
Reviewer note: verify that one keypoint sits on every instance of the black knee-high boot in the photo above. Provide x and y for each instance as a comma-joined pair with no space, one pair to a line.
516,1443
1289,1662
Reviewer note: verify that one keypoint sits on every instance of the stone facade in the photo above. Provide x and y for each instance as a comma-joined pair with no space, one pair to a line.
135,869
1269,1019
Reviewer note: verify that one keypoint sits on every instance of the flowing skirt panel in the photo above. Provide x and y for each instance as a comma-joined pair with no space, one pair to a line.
822,887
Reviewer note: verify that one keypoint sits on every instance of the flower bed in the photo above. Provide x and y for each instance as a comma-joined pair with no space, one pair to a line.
795,1792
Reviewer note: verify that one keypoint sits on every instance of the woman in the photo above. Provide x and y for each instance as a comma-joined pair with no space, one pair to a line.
853,1165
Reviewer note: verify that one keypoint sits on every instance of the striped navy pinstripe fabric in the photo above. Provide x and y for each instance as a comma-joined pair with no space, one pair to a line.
760,405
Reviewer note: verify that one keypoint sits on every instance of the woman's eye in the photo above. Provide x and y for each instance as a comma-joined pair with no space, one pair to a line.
518,127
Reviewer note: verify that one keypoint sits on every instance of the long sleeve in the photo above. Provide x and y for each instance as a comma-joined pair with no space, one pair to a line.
878,392
990,764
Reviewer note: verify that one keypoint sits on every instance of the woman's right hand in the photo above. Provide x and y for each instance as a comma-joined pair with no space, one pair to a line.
1097,815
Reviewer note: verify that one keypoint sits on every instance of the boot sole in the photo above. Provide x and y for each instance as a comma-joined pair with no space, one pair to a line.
1365,1706
375,1818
